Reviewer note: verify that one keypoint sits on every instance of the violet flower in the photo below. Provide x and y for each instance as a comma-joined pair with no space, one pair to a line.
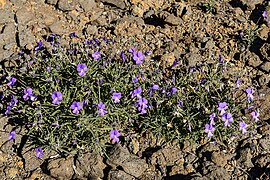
173,90
11,82
238,83
39,152
82,69
39,46
101,109
11,135
138,57
136,92
28,92
227,119
250,96
243,127
209,129
222,106
114,136
56,97
255,115
265,16
213,117
123,56
116,97
96,55
155,87
76,106
142,105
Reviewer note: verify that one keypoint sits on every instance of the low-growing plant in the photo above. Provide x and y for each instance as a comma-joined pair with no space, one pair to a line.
85,96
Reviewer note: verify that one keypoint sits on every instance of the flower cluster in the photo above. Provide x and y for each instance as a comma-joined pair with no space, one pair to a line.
83,96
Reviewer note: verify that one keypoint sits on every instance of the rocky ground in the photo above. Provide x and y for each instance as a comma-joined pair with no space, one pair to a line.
191,30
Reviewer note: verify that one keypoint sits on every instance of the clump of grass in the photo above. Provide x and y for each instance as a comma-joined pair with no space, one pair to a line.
84,97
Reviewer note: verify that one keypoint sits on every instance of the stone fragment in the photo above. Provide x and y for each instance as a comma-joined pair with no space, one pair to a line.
252,59
31,161
61,168
119,175
66,5
25,36
118,3
88,5
263,161
264,79
265,51
170,18
89,165
6,16
131,164
58,28
219,158
129,26
24,16
251,3
264,142
266,66
245,159
52,2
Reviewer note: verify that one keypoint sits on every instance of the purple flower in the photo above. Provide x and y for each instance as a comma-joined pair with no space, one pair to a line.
73,34
39,152
173,90
250,96
148,53
101,109
96,55
155,87
136,92
114,136
76,106
138,57
180,103
209,129
135,80
56,97
131,50
123,56
82,69
227,119
39,46
213,117
28,92
221,59
8,110
142,105
222,107
238,83
13,101
255,115
264,14
11,135
116,97
11,82
243,127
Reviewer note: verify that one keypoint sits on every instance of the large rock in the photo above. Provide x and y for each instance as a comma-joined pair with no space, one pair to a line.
6,16
24,15
251,3
88,5
118,3
62,168
131,164
89,165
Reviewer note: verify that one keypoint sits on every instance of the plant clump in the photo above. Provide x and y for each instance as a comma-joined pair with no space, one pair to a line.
84,97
